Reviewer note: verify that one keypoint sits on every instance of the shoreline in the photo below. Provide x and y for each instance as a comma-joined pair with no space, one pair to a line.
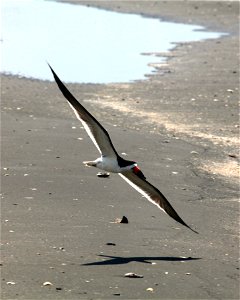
187,12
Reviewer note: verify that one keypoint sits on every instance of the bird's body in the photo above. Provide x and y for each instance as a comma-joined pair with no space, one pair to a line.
109,164
110,160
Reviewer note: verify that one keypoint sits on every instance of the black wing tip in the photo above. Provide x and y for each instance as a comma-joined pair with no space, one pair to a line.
49,66
184,224
61,86
54,74
193,230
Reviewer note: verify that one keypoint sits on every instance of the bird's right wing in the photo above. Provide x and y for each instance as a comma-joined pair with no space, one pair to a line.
137,180
95,130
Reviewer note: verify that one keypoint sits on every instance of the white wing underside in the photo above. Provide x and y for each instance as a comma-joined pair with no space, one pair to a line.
94,129
152,194
86,127
103,144
136,187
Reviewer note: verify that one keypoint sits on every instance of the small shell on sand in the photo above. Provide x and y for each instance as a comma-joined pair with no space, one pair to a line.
103,174
133,275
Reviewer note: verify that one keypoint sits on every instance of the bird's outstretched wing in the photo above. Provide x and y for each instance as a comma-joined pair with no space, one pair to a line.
137,180
95,130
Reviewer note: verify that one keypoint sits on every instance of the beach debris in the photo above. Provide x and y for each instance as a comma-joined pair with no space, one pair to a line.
232,155
11,283
103,174
123,220
110,244
116,294
58,288
133,275
188,273
194,152
59,248
47,283
149,290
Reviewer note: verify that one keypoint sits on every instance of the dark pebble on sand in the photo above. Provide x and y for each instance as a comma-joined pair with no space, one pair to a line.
103,174
110,244
124,220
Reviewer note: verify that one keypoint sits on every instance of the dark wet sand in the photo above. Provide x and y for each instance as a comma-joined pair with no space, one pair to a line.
181,125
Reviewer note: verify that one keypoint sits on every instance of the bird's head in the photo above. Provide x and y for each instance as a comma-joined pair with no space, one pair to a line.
136,170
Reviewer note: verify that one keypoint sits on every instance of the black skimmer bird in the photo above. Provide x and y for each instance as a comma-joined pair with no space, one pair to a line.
110,160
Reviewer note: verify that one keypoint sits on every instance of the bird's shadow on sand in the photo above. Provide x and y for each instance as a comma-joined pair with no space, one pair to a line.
118,260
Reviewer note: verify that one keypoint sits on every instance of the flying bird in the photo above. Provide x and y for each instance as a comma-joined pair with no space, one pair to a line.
110,160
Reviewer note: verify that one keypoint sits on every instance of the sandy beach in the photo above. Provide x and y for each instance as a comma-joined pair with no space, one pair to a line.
58,235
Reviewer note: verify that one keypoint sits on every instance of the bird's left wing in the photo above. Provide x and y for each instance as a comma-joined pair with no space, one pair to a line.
95,130
137,180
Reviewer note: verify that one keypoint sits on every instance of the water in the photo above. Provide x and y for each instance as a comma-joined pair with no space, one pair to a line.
84,44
